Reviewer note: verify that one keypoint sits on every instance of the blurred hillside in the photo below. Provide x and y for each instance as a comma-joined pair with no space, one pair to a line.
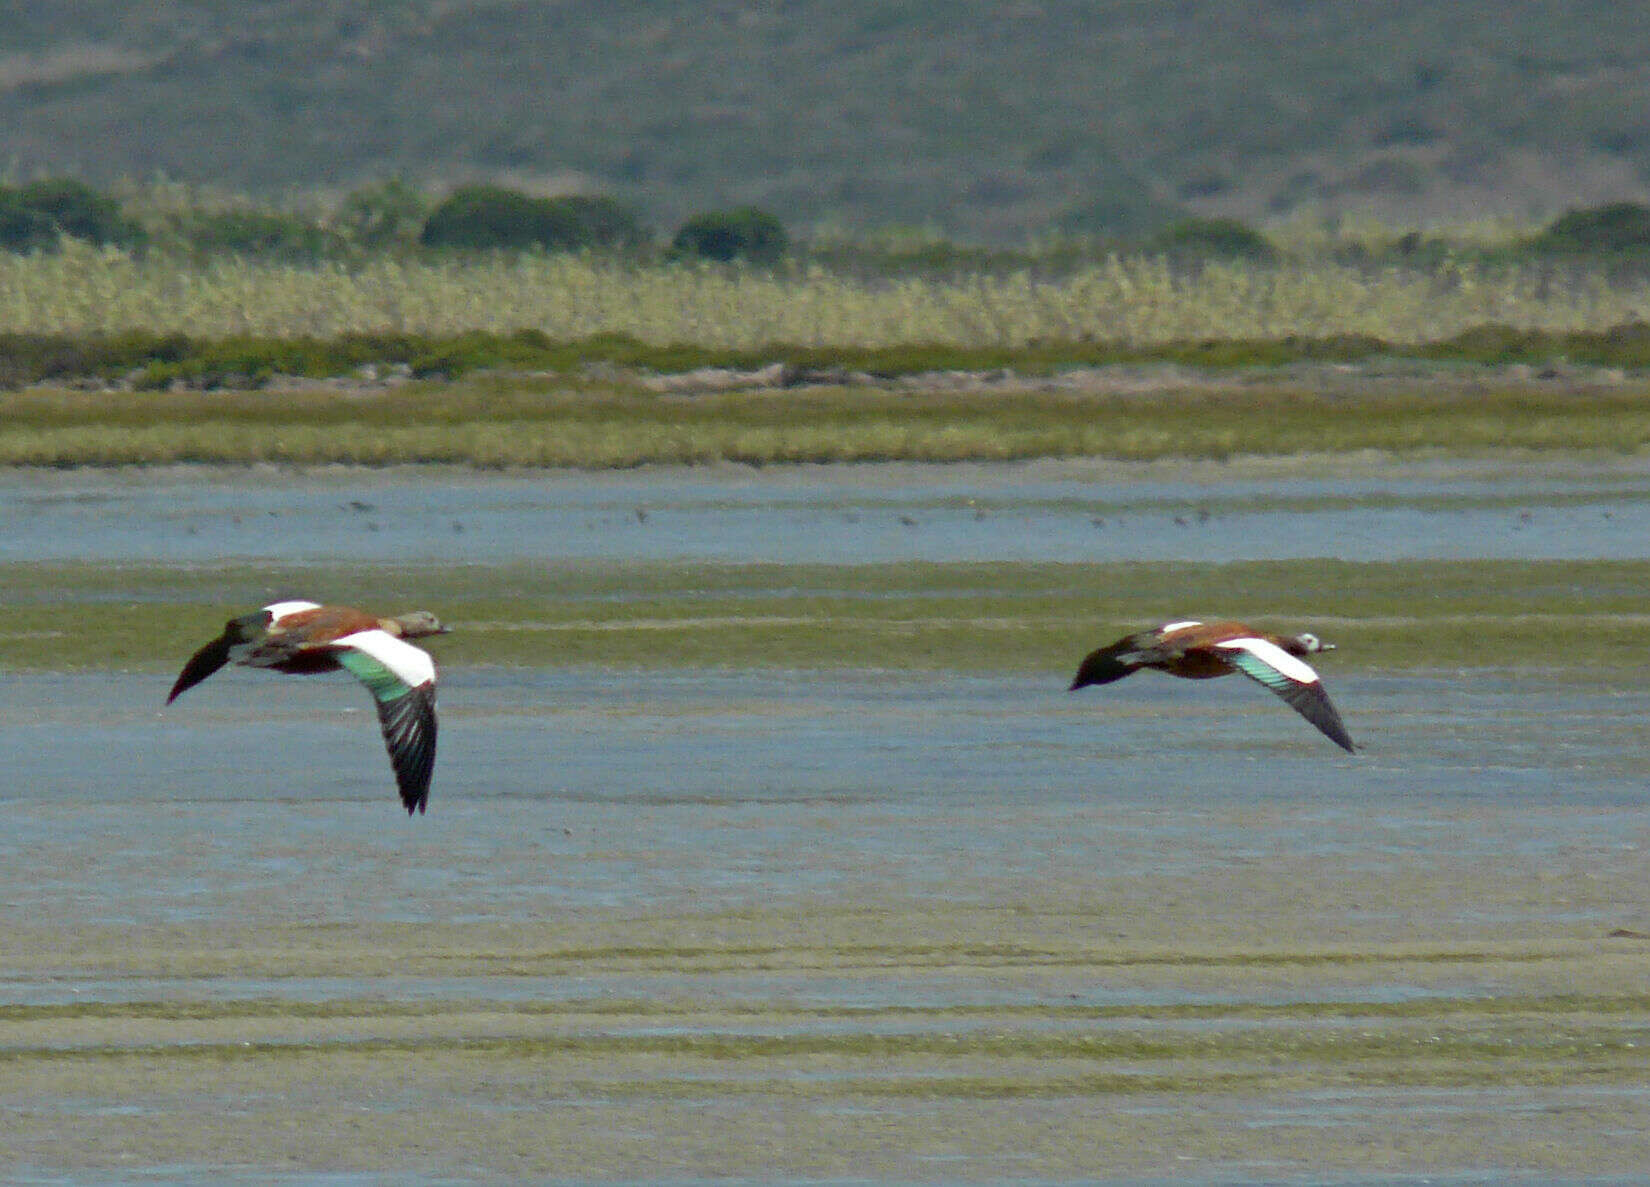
986,120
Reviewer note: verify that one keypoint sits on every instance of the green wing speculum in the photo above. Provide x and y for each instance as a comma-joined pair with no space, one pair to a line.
406,711
384,684
1299,686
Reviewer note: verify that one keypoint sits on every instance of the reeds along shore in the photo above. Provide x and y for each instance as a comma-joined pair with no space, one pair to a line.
1140,299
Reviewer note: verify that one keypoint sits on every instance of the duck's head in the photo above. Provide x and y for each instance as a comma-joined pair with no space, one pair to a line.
417,624
1308,643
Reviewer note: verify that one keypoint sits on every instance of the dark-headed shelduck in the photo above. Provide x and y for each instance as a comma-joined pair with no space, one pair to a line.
305,637
1203,650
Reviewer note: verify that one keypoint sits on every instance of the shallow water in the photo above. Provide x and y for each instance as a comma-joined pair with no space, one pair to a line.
1481,811
1014,847
260,798
1035,511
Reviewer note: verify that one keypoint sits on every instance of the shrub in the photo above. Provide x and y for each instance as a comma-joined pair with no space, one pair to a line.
1225,238
78,210
22,228
34,215
391,212
1616,228
742,234
485,216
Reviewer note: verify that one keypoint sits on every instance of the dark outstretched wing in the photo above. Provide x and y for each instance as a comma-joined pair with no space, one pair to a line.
1293,680
237,632
1115,661
1102,666
409,736
401,678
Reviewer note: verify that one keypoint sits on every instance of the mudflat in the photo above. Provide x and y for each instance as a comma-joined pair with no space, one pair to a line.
907,926
865,1039
813,870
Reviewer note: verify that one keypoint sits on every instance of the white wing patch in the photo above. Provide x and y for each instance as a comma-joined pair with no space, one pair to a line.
1169,628
280,610
411,664
1273,657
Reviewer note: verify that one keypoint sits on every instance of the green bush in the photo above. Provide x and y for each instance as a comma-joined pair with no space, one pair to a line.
488,217
1619,228
31,358
1223,238
22,228
743,234
33,216
78,210
384,215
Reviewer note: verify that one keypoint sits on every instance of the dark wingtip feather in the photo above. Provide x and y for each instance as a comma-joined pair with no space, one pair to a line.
201,665
409,727
1103,666
1312,702
1327,718
245,629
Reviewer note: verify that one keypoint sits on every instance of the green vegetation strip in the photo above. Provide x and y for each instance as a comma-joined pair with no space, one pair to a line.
547,423
1561,616
1471,1052
1442,1007
151,361
1539,1038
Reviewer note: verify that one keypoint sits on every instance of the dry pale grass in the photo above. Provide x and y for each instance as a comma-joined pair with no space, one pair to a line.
1133,300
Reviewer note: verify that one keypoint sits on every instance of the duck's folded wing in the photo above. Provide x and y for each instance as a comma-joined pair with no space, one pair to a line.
401,678
1292,679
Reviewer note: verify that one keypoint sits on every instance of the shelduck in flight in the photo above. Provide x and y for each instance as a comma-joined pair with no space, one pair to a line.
304,637
1204,650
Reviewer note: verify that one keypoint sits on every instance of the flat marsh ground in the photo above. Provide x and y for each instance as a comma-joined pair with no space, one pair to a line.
1580,620
598,424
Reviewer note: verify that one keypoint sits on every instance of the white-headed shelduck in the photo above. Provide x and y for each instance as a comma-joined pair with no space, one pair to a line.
305,637
1204,650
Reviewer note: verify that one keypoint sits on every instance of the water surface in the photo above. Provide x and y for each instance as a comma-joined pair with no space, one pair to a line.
616,857
1034,511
